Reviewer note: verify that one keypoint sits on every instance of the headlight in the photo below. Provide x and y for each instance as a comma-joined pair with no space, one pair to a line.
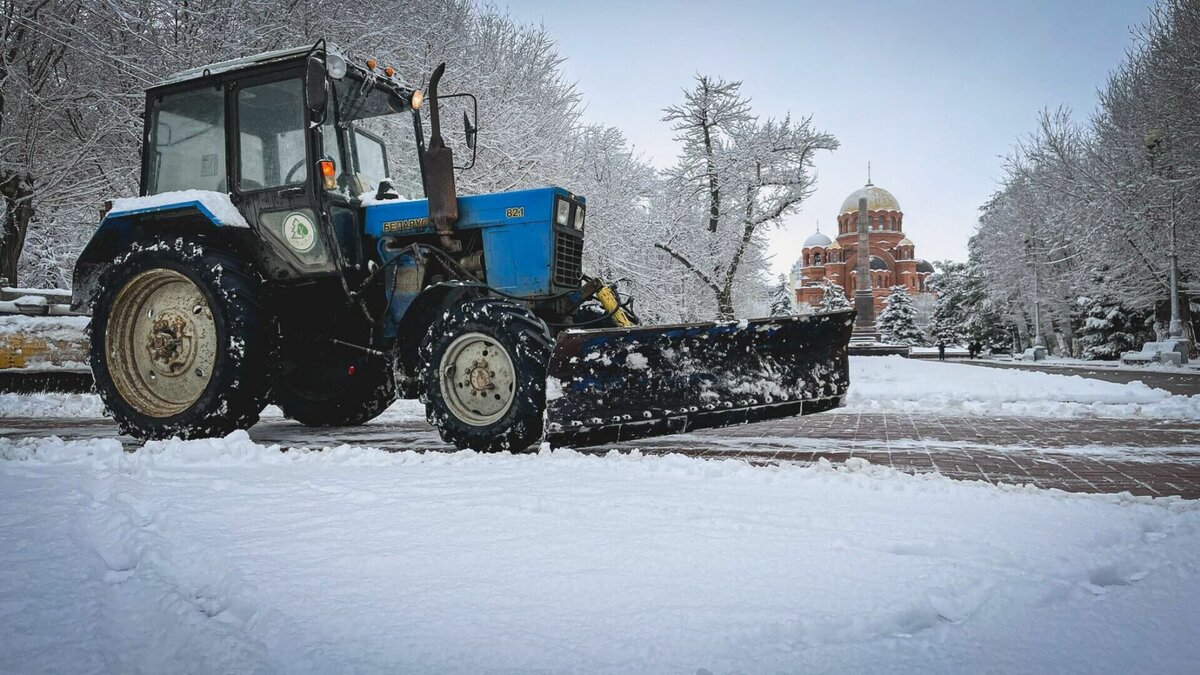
335,66
563,212
578,222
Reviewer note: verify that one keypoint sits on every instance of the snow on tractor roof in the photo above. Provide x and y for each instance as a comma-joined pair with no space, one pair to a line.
235,64
216,206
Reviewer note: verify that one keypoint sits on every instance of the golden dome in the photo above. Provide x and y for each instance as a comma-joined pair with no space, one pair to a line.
878,199
905,242
834,245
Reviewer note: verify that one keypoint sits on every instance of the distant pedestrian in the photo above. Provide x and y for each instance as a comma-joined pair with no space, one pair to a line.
973,349
941,350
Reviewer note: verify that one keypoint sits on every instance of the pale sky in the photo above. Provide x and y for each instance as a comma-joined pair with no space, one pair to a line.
931,93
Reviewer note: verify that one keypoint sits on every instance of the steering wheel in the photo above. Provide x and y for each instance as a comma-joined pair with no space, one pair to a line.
288,178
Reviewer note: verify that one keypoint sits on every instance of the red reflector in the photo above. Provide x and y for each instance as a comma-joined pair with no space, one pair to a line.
350,370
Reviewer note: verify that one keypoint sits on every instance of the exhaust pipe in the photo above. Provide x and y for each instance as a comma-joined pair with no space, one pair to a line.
439,172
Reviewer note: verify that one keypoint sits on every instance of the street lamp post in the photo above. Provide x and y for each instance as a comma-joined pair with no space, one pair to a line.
1154,145
1038,340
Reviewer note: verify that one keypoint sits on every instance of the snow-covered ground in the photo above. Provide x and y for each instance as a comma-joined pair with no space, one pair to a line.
1067,362
225,556
887,383
50,405
894,383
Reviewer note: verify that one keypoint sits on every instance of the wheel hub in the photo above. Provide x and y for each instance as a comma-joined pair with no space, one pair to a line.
171,343
479,378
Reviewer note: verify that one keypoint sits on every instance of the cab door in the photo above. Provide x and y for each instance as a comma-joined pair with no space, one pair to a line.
273,176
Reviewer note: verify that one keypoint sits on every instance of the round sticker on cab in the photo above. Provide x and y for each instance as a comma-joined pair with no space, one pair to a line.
299,232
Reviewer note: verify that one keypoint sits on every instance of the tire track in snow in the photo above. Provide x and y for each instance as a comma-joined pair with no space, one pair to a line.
153,609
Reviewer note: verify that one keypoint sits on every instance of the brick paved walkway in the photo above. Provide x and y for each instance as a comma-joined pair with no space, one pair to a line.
1144,457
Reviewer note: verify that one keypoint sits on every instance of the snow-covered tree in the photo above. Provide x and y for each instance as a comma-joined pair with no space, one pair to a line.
950,314
897,322
1087,207
782,301
736,176
1108,329
833,298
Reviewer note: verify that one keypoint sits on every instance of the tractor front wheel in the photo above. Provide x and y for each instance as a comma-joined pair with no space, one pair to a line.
483,375
177,341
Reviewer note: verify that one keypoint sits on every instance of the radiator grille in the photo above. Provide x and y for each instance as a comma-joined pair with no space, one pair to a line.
568,259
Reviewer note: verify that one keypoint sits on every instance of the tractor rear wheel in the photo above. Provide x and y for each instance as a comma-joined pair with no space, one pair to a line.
483,375
177,341
354,395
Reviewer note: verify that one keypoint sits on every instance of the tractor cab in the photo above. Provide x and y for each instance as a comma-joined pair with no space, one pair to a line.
296,138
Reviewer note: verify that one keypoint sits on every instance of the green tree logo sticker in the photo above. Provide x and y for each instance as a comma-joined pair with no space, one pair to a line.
298,231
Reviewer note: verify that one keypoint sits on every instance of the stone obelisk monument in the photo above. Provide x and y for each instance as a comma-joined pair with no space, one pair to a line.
864,299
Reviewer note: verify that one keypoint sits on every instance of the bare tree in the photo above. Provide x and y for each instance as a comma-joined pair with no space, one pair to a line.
735,176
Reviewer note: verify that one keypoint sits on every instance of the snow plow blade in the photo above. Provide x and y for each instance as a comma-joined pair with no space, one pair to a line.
619,384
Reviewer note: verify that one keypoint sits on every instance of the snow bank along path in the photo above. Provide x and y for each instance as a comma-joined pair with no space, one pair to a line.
897,384
877,384
225,556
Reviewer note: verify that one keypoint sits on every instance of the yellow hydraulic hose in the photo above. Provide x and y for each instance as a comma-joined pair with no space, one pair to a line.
608,300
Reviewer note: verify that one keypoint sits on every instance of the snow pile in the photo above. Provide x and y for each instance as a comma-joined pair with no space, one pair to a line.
32,300
218,205
71,328
50,405
897,384
371,197
227,556
44,343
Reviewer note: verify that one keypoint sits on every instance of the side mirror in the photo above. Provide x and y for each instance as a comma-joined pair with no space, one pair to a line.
315,91
470,130
469,123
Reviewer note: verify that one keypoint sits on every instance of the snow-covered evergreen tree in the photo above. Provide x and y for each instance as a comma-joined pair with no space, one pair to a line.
782,303
951,312
1108,329
898,320
987,326
833,298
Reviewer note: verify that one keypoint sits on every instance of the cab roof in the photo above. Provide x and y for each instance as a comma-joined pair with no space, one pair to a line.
235,64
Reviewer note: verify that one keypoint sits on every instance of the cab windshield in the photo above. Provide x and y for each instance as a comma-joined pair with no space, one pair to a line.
370,134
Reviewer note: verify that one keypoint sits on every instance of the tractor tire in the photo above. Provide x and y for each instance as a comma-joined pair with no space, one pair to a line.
345,401
483,375
177,341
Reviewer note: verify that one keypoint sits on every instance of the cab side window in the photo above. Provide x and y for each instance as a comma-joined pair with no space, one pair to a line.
187,142
271,135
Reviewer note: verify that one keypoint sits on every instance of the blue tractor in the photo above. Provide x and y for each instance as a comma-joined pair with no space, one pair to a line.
298,240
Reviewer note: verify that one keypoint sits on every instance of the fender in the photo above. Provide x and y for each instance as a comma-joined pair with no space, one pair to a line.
426,308
144,218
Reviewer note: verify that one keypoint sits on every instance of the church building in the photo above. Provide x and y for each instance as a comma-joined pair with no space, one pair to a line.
893,260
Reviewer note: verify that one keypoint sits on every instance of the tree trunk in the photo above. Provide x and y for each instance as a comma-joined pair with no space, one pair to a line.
725,304
17,191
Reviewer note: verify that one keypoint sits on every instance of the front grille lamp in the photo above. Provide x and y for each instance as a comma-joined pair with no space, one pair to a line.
566,213
562,212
